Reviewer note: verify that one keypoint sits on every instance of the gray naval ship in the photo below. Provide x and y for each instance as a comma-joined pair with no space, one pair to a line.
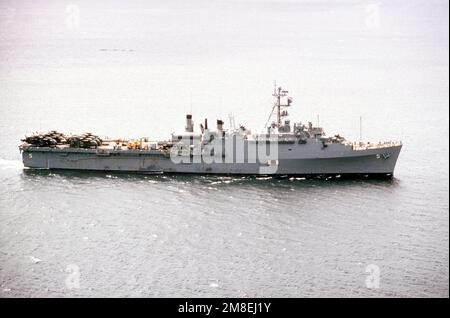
281,149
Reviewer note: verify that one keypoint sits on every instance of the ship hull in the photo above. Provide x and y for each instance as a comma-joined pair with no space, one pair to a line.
370,162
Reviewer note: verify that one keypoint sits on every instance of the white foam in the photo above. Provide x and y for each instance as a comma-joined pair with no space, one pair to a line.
8,164
35,259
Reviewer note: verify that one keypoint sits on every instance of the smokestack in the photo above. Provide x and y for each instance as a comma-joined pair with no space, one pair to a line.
189,125
219,125
206,123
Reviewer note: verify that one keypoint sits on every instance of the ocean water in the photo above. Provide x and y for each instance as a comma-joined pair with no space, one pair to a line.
135,69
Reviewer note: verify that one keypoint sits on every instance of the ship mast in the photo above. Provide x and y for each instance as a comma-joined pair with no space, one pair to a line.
278,93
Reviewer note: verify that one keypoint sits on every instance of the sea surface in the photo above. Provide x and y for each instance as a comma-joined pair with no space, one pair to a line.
135,68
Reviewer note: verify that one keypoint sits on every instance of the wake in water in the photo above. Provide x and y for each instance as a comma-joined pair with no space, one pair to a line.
9,164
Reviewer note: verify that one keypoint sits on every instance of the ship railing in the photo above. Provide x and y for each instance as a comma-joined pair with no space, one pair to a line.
371,145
